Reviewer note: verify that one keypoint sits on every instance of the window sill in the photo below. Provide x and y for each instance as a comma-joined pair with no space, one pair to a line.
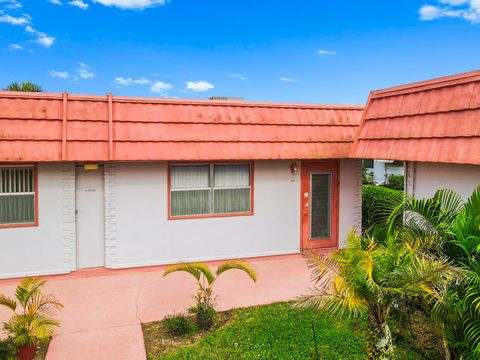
9,226
206,216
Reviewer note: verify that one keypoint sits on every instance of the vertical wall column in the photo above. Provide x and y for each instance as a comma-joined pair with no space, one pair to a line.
409,179
64,124
357,209
69,218
111,236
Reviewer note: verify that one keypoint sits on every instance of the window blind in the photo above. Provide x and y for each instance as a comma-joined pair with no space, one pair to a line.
17,195
209,189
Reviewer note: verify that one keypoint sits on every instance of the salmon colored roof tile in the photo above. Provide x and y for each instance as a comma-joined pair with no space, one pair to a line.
63,127
434,121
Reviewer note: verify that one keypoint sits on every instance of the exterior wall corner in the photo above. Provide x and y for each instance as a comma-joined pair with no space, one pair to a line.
409,179
69,217
357,209
350,205
111,234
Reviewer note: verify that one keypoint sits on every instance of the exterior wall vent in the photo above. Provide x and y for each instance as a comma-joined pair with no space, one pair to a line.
234,98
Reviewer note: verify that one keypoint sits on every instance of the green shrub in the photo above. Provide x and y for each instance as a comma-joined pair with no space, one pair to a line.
7,350
396,182
374,201
205,317
367,176
177,325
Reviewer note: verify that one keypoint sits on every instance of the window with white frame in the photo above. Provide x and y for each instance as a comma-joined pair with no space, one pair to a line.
17,195
210,189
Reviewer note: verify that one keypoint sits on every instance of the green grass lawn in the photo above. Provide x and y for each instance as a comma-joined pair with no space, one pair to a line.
277,331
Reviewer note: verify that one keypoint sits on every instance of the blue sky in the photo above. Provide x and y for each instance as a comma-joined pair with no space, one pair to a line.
304,51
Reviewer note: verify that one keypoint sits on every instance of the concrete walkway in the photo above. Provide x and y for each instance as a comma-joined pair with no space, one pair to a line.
104,309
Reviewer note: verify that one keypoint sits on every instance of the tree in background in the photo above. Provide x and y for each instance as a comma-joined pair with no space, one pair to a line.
25,86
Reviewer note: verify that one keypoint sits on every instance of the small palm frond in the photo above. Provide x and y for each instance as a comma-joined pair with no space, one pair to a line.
324,270
333,304
425,274
389,205
239,265
472,205
27,288
195,269
8,302
44,327
42,304
451,203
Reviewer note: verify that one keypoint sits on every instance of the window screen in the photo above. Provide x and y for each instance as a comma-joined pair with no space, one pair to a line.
209,189
17,195
320,210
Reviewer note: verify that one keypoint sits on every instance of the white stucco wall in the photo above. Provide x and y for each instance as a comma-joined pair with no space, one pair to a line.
137,232
380,168
429,177
48,248
144,235
350,204
140,234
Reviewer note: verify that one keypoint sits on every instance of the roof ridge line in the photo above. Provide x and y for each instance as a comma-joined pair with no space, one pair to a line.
429,84
173,101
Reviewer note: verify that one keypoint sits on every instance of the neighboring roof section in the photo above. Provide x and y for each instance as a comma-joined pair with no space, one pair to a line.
61,127
434,121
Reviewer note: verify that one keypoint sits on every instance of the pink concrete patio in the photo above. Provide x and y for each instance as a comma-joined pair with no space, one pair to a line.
104,309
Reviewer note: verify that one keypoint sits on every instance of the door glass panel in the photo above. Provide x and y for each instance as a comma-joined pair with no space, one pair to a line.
320,206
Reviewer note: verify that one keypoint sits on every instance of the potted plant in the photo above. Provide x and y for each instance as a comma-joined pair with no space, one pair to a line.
205,300
32,320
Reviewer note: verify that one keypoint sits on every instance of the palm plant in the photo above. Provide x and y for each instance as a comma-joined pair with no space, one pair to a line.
25,86
369,276
456,227
32,320
206,278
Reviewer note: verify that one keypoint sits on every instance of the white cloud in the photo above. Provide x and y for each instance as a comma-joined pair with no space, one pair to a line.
41,38
15,47
464,9
325,53
11,4
24,20
44,39
132,4
238,76
78,3
55,2
12,20
84,71
199,86
121,81
160,87
454,2
142,81
59,74
287,79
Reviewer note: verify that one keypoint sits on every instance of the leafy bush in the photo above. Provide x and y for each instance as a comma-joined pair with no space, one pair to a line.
177,325
375,199
32,320
206,316
396,182
367,176
7,350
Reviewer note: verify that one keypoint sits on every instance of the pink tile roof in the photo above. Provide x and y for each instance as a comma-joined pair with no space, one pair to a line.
434,121
61,127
